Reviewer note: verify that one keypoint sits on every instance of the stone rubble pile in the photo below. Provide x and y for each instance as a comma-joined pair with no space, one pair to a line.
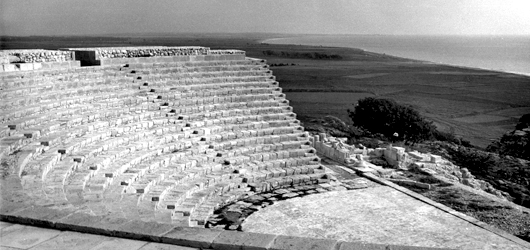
398,158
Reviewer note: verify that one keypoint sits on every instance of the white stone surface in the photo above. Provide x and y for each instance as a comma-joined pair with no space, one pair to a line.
375,215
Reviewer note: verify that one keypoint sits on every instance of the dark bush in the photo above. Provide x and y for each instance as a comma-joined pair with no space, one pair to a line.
524,122
515,143
387,117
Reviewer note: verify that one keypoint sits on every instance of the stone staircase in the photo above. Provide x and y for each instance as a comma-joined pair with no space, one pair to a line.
167,141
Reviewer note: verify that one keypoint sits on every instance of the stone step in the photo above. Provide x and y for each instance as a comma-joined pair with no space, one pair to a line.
177,74
195,87
193,64
17,100
25,79
183,68
53,105
237,90
155,80
49,85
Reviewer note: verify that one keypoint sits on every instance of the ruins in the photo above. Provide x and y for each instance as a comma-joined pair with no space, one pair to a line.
157,135
165,133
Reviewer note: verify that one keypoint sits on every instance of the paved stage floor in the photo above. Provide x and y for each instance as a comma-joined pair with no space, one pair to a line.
378,214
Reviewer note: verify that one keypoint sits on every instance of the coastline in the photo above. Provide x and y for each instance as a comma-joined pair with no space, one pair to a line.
270,41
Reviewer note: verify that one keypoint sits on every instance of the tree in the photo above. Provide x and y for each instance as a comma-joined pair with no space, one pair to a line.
524,122
387,117
515,143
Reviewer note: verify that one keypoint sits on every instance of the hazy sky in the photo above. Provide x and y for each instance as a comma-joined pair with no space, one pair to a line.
78,17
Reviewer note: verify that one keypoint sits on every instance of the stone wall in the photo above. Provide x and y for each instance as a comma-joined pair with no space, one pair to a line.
335,149
33,56
110,55
10,67
128,52
156,54
226,52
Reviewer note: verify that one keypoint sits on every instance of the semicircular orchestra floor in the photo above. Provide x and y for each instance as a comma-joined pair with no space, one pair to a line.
378,214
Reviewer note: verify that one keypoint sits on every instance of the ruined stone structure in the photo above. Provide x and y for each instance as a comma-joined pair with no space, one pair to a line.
398,158
145,143
163,134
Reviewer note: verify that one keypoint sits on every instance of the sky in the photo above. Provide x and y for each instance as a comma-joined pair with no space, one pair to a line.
396,17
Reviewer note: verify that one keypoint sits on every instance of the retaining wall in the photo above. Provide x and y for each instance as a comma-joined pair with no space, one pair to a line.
32,56
116,55
11,67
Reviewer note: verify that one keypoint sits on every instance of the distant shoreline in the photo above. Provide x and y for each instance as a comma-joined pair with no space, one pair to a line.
271,41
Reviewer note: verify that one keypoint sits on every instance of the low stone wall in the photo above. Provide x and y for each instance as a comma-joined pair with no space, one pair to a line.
128,52
226,52
156,54
112,55
12,67
34,56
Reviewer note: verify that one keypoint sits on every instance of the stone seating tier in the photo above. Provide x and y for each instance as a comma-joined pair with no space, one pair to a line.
31,78
69,146
20,101
160,141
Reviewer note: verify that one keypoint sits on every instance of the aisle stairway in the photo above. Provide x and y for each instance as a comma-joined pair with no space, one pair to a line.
168,142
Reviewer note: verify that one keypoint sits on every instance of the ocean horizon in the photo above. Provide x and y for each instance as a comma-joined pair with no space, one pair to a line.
498,53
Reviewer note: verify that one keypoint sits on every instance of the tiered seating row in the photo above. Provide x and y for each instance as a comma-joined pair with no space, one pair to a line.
169,142
22,79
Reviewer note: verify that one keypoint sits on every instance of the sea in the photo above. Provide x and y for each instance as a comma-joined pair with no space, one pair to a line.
499,53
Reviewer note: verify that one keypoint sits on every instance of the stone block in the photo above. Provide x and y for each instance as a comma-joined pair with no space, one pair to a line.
108,225
117,243
231,240
64,65
435,158
75,64
37,66
140,230
400,247
25,66
360,246
282,242
39,216
192,237
160,246
9,67
80,222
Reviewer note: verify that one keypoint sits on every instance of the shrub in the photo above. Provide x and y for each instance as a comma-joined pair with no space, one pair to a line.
388,117
524,122
515,143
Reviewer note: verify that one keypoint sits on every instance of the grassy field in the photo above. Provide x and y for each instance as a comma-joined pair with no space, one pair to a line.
478,105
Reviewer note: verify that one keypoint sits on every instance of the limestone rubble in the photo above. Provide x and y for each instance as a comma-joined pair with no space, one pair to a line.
398,158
